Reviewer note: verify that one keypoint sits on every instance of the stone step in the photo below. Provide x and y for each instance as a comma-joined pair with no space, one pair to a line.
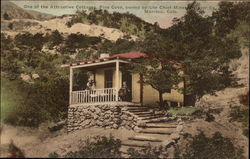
163,131
151,117
145,138
141,144
137,107
142,109
160,125
143,113
138,111
159,137
158,120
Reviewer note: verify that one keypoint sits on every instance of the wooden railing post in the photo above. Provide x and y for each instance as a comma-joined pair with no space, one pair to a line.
117,80
70,84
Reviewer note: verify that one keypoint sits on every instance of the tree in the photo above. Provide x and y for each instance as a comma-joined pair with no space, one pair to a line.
204,54
124,44
6,42
55,39
6,16
228,16
28,40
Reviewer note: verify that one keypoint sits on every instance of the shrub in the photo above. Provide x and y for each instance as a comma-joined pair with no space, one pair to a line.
215,111
15,152
184,110
37,103
209,117
54,155
212,148
177,152
246,132
240,115
100,147
244,98
146,152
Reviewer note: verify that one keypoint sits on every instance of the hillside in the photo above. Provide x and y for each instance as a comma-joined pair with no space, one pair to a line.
16,20
47,26
11,11
125,22
224,100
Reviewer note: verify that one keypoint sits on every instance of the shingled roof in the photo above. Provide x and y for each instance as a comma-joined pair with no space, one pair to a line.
126,56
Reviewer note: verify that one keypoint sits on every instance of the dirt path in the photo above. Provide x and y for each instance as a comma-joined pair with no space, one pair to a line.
40,143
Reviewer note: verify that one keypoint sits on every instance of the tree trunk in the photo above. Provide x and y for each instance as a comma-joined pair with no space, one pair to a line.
184,91
161,100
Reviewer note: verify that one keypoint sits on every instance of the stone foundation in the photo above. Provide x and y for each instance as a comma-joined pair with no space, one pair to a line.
111,115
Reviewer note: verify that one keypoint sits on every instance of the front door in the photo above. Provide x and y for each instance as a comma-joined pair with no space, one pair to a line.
108,78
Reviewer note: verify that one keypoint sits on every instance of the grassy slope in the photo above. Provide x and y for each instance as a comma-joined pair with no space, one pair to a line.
12,94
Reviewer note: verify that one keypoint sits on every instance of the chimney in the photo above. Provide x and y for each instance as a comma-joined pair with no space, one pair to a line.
104,55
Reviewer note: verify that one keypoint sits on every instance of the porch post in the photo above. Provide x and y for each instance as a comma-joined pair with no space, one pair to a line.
141,89
70,84
117,79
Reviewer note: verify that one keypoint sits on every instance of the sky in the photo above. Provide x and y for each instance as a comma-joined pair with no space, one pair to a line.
151,11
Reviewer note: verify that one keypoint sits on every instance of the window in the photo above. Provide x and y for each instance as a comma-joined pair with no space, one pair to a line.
108,79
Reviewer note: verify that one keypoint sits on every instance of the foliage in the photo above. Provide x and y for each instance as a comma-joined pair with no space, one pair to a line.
240,115
209,117
97,147
10,89
246,132
40,102
177,151
81,79
146,152
229,16
54,155
78,41
42,99
6,42
215,110
244,99
215,147
28,40
125,22
6,16
84,55
204,53
15,152
54,39
123,45
241,33
183,110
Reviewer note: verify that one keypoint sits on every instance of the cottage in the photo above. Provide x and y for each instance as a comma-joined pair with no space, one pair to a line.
108,83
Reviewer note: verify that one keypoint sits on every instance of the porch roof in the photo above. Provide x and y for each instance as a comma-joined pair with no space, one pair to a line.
124,57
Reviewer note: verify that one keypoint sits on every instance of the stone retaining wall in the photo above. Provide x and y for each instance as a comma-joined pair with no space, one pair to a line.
112,115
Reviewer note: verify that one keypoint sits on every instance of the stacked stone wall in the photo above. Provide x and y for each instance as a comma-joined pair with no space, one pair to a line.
111,116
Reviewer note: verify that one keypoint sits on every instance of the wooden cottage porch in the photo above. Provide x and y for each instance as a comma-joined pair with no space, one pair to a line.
99,95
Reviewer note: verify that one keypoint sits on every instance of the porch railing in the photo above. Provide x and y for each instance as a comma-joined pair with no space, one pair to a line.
93,96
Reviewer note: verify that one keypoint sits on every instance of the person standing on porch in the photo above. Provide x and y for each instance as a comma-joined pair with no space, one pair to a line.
90,84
